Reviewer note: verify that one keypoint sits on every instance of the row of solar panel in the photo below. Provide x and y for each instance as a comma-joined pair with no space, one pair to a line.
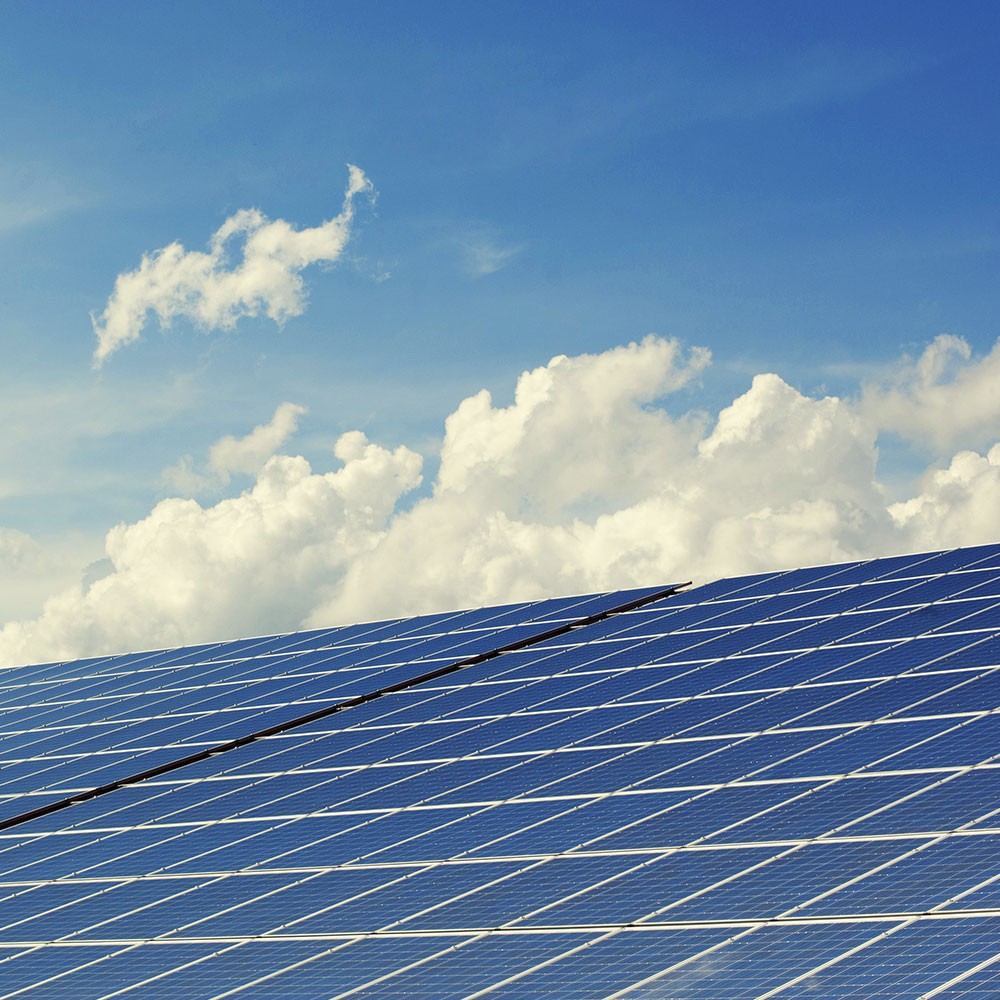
175,719
938,694
142,732
255,785
425,636
691,964
888,877
594,726
786,815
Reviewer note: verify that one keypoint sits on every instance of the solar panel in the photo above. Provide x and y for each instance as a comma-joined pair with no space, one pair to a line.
783,785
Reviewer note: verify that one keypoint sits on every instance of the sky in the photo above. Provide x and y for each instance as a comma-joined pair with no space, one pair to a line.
318,312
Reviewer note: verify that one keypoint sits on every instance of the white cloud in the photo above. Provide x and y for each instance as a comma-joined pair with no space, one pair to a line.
31,571
203,288
231,456
959,505
247,565
594,477
582,485
940,396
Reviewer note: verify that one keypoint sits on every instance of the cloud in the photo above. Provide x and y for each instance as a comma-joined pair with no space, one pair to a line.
482,254
32,193
248,564
598,475
584,484
959,505
203,288
940,396
18,551
31,571
231,456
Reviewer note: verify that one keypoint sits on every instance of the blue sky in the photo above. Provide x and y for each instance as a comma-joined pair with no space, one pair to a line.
802,188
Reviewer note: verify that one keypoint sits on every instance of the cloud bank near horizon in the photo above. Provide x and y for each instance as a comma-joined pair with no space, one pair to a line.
587,481
173,282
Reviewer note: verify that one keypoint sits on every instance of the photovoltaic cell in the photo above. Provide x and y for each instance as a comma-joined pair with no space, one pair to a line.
781,785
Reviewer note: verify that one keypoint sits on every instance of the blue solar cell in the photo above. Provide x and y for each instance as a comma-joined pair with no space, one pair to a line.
974,984
909,960
927,874
969,557
560,773
981,618
328,901
796,579
572,824
765,755
603,965
732,587
657,765
859,626
946,804
700,815
882,746
482,961
653,887
871,595
325,969
820,809
507,893
964,742
886,568
646,723
753,962
89,973
968,584
756,712
785,884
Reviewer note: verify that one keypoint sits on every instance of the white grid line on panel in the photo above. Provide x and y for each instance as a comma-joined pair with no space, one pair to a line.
748,923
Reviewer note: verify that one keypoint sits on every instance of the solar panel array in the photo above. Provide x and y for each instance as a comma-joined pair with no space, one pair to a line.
783,785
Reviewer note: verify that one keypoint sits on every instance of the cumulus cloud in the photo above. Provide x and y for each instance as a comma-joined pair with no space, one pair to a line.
598,475
208,290
940,395
246,565
959,505
231,456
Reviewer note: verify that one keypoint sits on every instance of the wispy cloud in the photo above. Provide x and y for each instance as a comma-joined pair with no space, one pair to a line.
203,288
674,90
811,78
31,193
483,253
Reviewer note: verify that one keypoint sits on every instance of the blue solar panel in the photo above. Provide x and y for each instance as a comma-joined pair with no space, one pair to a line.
781,785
